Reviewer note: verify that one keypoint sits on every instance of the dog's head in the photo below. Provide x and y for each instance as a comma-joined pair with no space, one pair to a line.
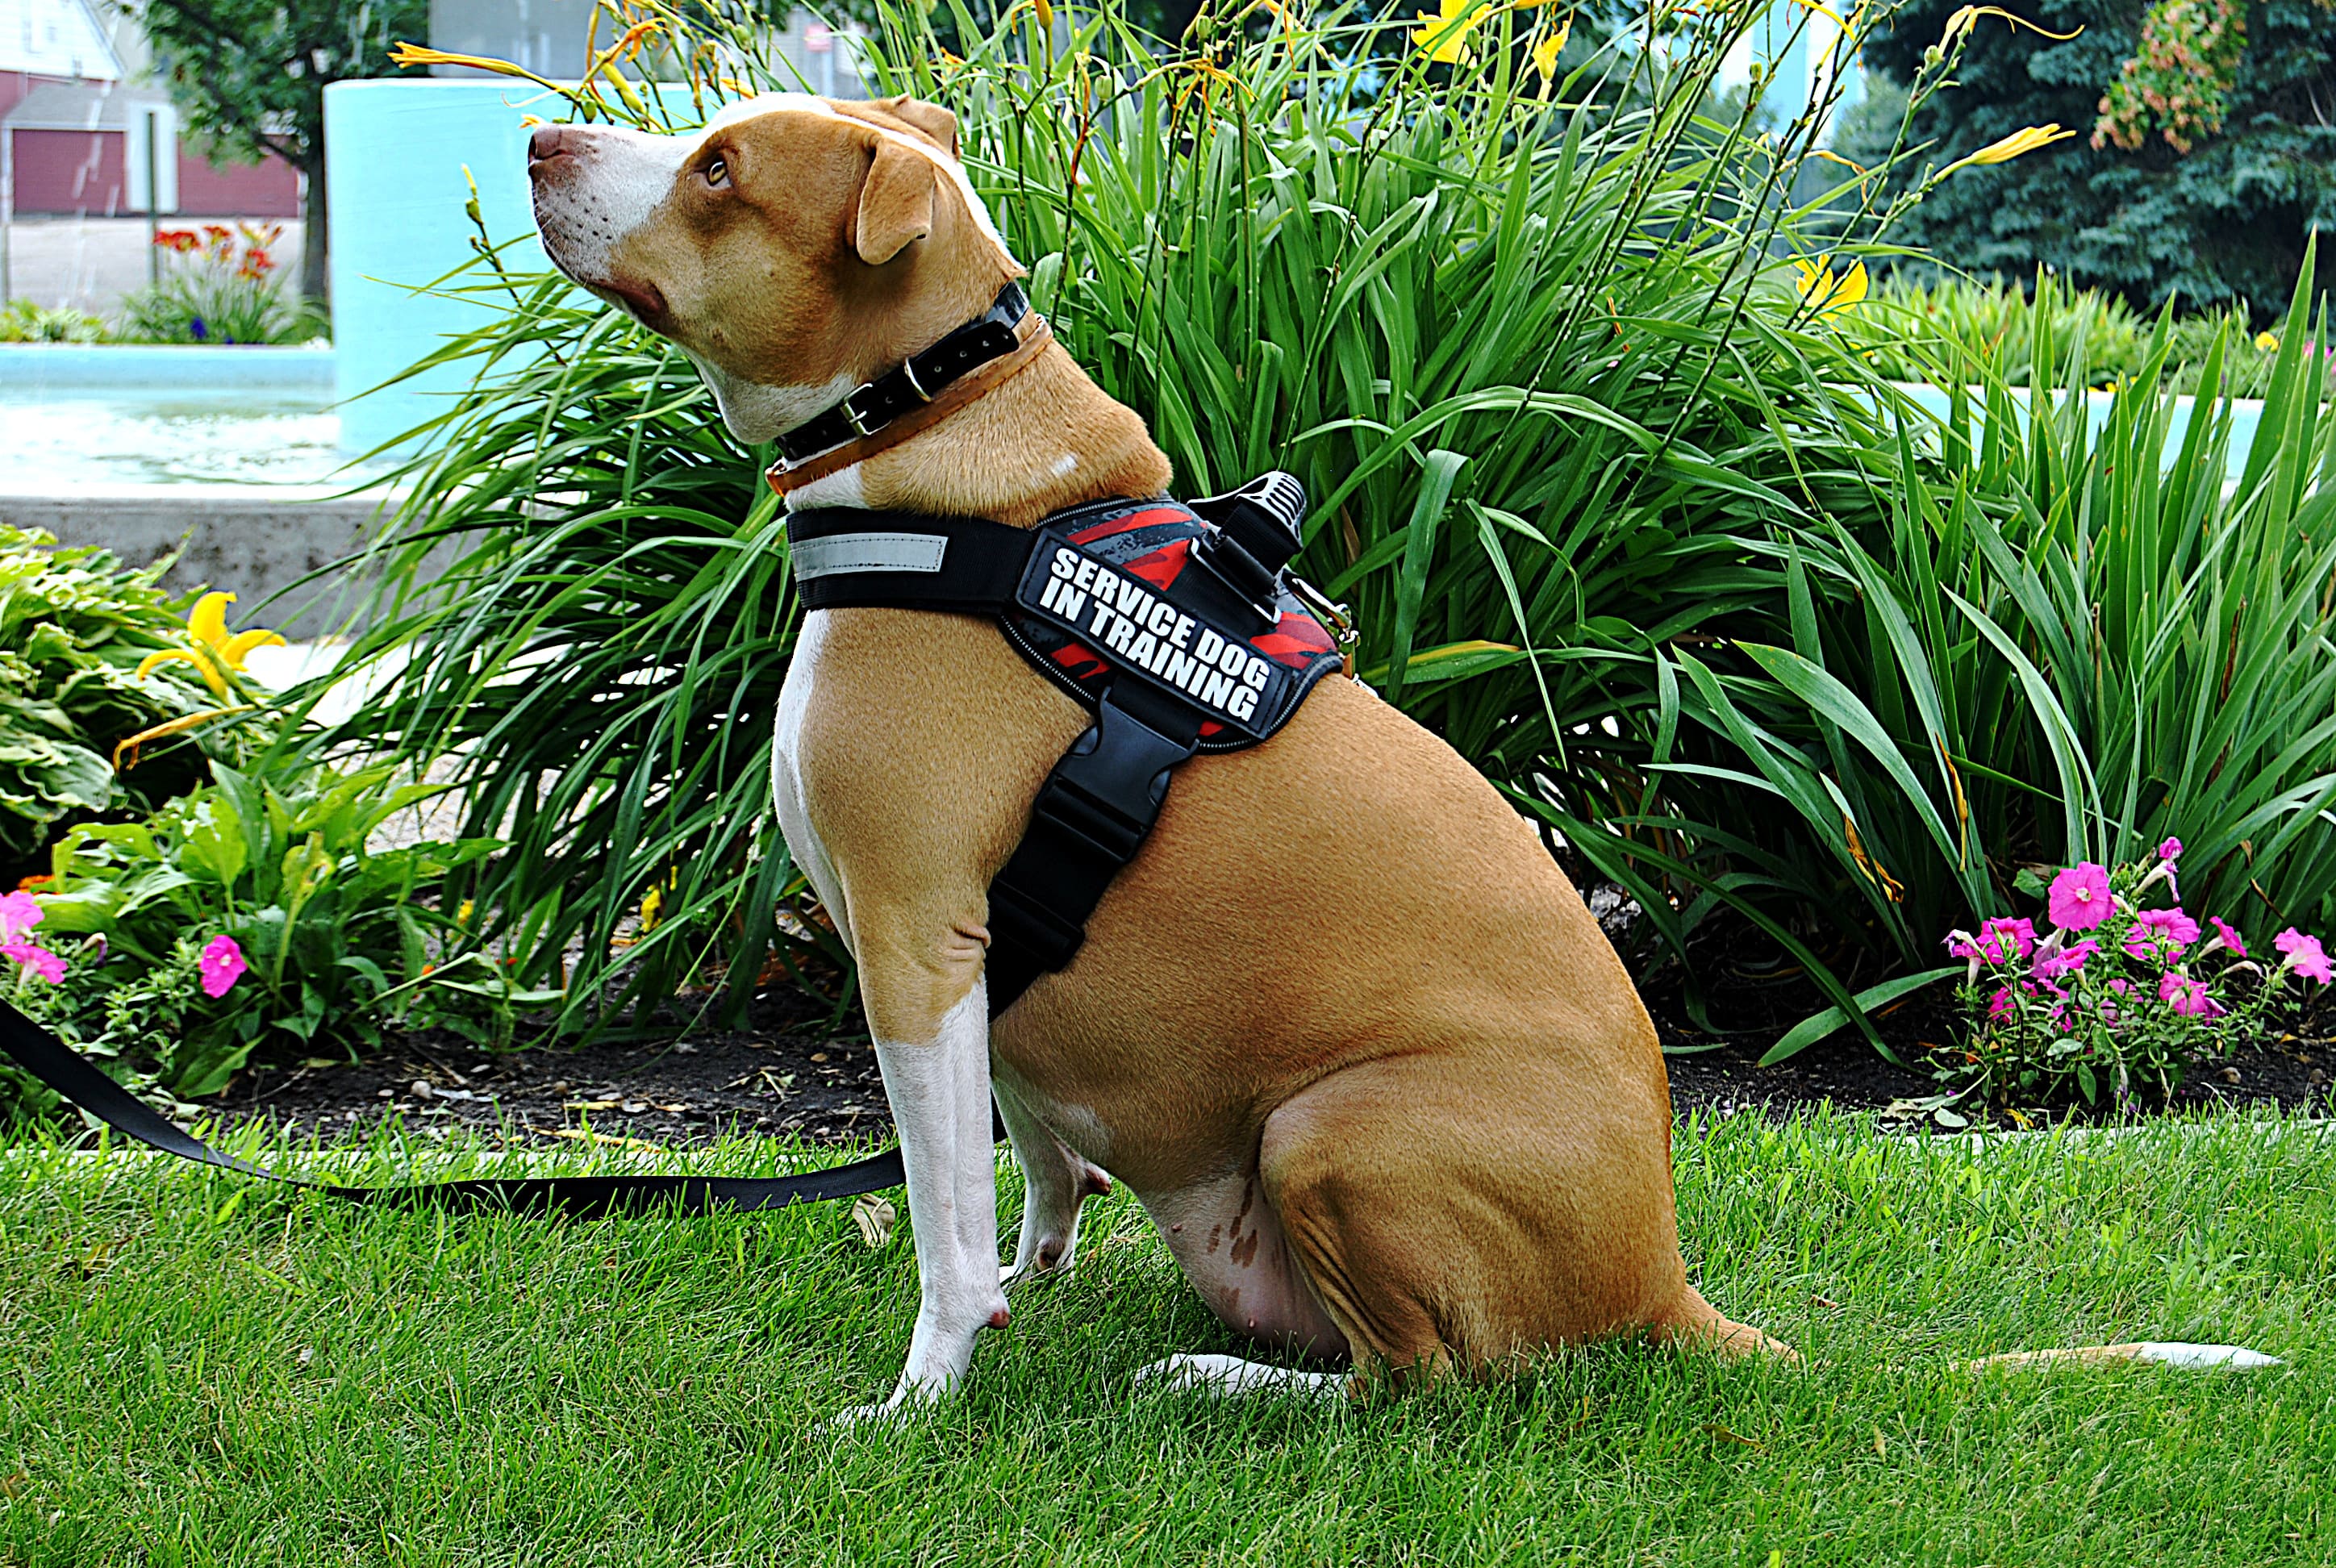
794,248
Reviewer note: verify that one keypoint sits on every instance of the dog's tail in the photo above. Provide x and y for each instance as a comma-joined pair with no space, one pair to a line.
2156,1352
1695,1320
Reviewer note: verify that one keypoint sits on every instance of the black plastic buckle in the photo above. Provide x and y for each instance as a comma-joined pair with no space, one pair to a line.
1090,817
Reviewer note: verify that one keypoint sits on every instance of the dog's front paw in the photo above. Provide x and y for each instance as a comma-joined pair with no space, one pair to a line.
907,1404
1048,1261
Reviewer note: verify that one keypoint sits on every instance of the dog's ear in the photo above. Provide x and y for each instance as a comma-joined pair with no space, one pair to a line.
929,118
896,203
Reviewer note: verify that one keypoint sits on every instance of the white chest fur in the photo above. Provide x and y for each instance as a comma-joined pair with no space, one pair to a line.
787,793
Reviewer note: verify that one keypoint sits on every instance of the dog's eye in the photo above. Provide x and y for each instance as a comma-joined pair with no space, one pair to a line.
718,173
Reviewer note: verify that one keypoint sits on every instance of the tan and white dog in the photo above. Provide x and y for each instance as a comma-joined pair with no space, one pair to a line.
1342,1025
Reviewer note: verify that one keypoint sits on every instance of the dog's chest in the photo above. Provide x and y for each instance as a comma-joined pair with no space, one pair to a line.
788,795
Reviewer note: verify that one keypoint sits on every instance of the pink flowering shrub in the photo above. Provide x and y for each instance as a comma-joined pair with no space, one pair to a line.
2114,998
19,913
2181,78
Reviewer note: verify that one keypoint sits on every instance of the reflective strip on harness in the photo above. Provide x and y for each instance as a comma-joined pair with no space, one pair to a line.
817,558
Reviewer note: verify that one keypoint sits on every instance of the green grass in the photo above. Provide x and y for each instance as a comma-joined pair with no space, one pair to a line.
204,1370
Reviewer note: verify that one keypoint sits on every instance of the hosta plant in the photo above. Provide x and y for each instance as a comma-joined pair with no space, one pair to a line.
92,655
2118,995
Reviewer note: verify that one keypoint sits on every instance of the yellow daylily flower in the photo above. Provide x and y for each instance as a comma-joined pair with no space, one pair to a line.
208,622
1545,53
193,656
1444,38
2027,140
243,642
1044,13
207,629
212,648
1966,18
2267,341
1828,294
652,904
418,54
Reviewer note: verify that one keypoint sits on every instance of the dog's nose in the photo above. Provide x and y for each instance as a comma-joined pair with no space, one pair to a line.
549,141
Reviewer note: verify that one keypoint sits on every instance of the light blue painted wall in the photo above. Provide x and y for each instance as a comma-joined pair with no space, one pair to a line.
394,154
28,369
394,157
2246,418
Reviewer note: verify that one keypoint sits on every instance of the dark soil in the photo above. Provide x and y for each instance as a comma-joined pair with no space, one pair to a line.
785,1073
788,1072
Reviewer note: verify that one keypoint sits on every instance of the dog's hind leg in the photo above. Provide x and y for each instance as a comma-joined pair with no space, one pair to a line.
1230,1376
1693,1321
1054,1183
1458,1215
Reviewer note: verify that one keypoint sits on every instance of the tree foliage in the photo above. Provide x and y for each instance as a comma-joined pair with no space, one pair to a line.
2208,152
251,75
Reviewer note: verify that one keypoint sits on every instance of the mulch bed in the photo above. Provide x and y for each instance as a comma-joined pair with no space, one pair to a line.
788,1072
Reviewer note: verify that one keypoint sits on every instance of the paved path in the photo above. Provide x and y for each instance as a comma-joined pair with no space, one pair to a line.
89,263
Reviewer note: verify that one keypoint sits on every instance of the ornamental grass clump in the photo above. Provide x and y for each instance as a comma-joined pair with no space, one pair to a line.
2114,998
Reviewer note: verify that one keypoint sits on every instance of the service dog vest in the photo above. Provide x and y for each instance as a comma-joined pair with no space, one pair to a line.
1178,626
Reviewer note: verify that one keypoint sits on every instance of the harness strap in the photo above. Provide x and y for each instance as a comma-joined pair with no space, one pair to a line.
1091,815
1099,802
962,565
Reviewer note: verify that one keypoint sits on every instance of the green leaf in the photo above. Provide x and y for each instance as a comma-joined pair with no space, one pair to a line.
1818,1026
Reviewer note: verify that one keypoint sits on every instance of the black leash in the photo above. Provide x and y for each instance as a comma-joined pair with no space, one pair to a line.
74,1077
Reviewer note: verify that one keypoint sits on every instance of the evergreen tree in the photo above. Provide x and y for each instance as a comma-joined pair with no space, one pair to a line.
2206,151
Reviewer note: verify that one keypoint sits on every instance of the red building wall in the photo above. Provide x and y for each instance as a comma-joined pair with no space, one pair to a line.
79,173
76,171
268,188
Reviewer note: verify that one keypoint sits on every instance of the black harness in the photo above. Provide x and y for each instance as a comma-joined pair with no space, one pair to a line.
1177,625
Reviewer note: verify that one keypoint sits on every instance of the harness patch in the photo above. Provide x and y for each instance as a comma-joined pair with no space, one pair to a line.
1211,666
1113,588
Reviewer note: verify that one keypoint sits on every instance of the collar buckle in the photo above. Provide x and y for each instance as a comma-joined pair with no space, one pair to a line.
854,418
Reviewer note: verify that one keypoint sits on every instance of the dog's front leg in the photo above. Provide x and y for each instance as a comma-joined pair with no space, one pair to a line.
1054,1183
939,1091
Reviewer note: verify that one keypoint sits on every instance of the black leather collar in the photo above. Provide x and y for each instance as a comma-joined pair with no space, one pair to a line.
874,404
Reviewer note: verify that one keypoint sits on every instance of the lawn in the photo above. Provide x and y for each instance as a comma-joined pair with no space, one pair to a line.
215,1371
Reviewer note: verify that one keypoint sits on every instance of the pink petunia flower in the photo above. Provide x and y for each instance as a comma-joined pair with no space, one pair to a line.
2080,898
222,966
2000,1005
39,962
2160,934
19,913
2067,960
2168,854
2305,955
1998,942
2227,935
2187,997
